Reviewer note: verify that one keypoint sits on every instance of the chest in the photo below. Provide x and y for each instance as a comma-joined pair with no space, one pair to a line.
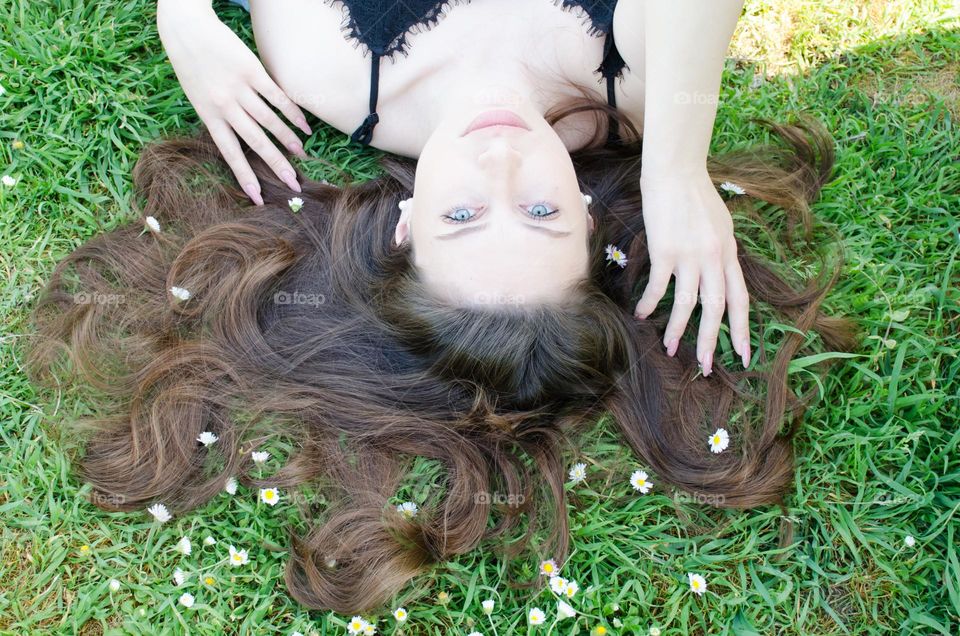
303,45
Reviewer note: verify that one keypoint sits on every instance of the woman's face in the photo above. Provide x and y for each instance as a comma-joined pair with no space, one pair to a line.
497,215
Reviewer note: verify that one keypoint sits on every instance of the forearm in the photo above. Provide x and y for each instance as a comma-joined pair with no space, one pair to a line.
686,43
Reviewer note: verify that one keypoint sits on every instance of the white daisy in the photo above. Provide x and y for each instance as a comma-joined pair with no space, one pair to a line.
206,438
269,496
698,584
369,629
641,481
153,224
356,625
260,456
238,557
114,585
719,440
179,576
565,611
578,473
654,631
474,634
295,204
909,541
183,545
536,616
732,188
558,584
549,568
8,181
615,255
180,293
400,614
186,599
570,589
488,606
209,540
231,486
408,509
160,512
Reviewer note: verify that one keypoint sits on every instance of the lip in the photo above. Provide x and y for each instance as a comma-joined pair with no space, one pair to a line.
499,118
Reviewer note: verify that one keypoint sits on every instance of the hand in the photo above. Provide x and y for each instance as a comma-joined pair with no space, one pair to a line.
227,85
690,236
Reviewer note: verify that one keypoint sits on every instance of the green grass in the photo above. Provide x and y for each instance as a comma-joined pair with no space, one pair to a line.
86,84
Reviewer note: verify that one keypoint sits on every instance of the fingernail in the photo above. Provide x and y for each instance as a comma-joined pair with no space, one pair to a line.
296,149
291,180
253,191
302,125
707,364
672,346
745,356
641,315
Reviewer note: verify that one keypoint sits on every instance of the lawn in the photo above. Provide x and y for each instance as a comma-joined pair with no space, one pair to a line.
86,84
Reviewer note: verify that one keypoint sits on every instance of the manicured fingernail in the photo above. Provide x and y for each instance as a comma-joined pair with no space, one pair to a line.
296,149
641,315
290,179
672,346
302,125
253,191
707,364
745,356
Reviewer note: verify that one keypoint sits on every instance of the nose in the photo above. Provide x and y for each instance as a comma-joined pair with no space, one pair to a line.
499,157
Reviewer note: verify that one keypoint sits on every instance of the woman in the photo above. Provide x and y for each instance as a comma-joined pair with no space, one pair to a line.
333,325
659,63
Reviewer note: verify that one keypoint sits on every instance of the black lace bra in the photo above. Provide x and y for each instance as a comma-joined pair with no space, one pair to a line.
382,26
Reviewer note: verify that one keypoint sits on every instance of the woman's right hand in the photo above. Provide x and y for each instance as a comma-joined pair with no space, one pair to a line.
227,85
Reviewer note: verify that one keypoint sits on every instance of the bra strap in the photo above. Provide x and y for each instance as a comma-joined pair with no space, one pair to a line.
364,134
611,67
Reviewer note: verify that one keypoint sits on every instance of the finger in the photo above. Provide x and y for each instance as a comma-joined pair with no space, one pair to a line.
232,153
275,95
712,302
738,310
684,300
660,274
265,116
258,141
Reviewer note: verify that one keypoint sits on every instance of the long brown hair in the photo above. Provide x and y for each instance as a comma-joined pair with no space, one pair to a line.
313,326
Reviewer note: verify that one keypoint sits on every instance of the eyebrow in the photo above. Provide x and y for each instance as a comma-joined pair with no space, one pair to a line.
477,228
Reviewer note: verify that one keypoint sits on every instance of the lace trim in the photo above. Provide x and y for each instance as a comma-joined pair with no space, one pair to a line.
435,14
398,44
572,6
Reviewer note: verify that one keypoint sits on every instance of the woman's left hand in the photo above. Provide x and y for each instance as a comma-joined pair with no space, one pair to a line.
690,237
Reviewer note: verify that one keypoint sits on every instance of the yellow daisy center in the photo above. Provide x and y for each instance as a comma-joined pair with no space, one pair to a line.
716,439
696,585
601,630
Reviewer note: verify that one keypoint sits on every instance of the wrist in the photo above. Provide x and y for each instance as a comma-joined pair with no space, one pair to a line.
173,13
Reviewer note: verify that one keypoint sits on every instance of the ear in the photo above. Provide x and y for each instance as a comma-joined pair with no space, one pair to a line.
402,232
590,223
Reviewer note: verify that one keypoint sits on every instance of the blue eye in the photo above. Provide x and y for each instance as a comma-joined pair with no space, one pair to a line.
541,210
459,214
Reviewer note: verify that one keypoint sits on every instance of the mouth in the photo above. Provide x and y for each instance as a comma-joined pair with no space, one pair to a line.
499,118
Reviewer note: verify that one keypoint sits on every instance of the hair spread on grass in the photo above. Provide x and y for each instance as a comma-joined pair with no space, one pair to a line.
313,326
